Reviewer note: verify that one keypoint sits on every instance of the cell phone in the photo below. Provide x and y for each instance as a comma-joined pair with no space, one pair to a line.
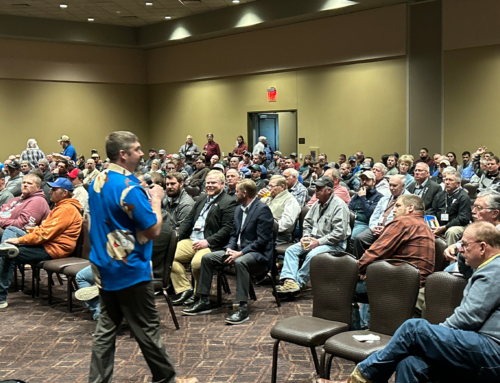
225,257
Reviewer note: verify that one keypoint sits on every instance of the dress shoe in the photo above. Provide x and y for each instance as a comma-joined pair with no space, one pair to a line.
190,301
185,295
239,316
201,306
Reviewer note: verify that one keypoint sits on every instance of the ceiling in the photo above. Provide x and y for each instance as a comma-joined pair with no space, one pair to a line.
113,12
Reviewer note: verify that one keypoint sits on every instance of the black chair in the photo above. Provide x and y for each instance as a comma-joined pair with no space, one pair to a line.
472,190
307,183
333,279
440,260
351,192
443,293
163,283
193,191
311,191
392,292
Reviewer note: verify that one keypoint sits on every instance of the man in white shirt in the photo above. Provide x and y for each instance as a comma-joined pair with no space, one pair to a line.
261,145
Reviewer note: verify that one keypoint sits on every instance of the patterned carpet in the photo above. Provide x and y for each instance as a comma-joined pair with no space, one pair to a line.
39,343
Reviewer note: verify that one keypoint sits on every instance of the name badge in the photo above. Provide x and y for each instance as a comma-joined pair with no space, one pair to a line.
197,226
314,231
444,217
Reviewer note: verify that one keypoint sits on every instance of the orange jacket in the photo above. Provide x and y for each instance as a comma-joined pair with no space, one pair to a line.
60,231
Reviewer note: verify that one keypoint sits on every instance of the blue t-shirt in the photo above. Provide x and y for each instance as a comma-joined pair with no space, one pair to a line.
119,212
70,152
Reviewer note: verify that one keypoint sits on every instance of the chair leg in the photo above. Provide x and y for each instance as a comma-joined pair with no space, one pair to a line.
315,359
70,294
275,293
38,269
59,279
225,283
33,281
251,291
274,373
328,366
171,308
219,289
49,284
22,270
14,279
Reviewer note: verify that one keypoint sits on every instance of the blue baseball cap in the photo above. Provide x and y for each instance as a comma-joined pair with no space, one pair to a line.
63,183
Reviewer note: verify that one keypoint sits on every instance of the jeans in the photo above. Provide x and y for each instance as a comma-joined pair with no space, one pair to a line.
27,254
420,351
358,228
360,316
292,256
85,278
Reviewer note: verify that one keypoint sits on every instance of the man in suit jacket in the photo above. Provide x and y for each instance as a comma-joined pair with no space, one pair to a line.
250,249
207,228
426,189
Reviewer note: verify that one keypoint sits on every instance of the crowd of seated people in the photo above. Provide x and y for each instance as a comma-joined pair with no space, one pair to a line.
375,210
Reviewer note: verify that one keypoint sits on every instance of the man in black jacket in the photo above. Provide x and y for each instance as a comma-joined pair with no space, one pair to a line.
206,229
456,212
250,249
426,189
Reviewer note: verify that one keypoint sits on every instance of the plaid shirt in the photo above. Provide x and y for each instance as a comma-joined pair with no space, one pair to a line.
407,238
33,156
299,191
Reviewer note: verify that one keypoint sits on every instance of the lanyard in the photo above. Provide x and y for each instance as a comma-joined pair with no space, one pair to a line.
451,196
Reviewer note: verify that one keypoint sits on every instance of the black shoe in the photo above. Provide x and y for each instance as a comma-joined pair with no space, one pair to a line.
200,307
190,301
185,295
239,316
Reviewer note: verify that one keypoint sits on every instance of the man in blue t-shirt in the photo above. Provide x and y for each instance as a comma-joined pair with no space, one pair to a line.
69,152
123,223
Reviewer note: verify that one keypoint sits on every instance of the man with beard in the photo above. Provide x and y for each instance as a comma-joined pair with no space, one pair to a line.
424,158
198,176
152,157
90,173
206,229
16,179
250,249
391,166
348,178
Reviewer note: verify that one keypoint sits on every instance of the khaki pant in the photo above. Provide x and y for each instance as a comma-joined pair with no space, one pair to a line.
186,254
454,234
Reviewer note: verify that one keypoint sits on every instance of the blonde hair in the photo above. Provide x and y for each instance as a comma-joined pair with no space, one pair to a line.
407,159
218,174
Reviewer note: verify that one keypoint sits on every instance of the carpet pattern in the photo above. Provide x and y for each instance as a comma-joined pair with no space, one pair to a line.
46,344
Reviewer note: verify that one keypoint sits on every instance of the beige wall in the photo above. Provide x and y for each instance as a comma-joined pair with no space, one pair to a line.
471,100
340,108
85,112
288,132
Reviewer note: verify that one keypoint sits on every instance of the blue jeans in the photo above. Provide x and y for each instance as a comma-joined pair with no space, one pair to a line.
292,256
85,278
358,228
27,254
419,351
360,316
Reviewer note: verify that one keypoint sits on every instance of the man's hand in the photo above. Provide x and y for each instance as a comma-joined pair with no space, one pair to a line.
312,243
362,191
451,253
199,245
157,192
233,255
377,230
439,230
262,192
480,151
14,241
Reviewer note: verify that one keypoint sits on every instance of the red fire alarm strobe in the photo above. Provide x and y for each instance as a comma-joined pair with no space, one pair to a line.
271,94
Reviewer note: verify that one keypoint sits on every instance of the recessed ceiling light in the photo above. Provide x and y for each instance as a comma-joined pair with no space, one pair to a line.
118,11
168,17
236,1
63,5
90,19
148,3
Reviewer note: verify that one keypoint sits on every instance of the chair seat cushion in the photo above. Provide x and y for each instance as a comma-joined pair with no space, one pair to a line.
307,331
57,265
346,347
281,249
72,270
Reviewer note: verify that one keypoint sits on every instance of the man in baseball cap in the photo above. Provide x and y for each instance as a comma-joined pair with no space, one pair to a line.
69,152
16,178
256,172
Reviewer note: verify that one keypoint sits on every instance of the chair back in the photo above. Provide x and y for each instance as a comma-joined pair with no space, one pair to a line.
351,193
472,190
302,217
333,278
307,184
193,191
169,258
311,191
440,247
352,219
443,293
86,240
392,292
84,233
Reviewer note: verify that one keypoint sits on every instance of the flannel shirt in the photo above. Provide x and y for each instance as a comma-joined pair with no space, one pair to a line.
299,191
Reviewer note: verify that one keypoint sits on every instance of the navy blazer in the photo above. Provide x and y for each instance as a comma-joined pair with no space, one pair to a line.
256,234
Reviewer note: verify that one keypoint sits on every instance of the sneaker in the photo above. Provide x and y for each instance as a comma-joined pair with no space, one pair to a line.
87,293
3,305
290,286
9,250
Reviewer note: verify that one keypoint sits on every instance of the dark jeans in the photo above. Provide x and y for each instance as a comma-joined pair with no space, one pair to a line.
27,254
137,304
245,266
363,242
421,352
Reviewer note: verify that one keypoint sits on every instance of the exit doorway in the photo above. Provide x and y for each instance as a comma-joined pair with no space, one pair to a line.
280,129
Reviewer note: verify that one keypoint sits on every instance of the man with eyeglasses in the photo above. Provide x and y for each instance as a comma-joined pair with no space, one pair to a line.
486,208
199,175
295,188
466,346
426,189
455,213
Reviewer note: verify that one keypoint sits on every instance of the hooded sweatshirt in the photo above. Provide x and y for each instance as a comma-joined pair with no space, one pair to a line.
60,231
24,213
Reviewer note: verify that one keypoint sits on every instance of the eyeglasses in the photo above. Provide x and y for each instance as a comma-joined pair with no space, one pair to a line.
465,245
480,208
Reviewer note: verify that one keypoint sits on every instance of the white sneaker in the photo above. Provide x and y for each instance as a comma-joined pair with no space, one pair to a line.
3,305
9,250
87,293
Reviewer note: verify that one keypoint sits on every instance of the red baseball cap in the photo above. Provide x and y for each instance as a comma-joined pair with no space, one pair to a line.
74,173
